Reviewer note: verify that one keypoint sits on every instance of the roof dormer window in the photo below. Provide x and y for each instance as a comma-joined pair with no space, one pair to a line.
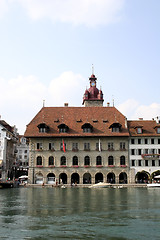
43,128
116,127
157,129
87,128
63,128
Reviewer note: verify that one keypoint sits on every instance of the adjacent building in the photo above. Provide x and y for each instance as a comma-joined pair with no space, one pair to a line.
8,141
144,149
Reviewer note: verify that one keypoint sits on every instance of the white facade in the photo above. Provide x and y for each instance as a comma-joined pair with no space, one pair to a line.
144,154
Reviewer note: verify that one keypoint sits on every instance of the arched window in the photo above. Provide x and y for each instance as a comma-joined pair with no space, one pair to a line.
75,160
87,160
51,160
98,160
39,160
110,160
122,160
63,161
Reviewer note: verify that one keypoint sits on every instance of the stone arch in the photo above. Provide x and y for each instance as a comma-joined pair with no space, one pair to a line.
98,160
154,174
51,178
63,178
75,160
123,177
110,177
86,160
87,178
142,177
39,178
98,177
75,178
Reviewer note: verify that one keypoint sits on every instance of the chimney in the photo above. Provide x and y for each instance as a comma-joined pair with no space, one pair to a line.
65,104
141,119
108,104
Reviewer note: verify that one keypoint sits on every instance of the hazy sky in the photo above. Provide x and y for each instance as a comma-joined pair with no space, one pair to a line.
47,48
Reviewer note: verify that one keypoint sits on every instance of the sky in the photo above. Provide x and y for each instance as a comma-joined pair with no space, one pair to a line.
47,48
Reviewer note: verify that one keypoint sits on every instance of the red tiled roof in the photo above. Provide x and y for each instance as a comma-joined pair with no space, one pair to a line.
74,118
148,127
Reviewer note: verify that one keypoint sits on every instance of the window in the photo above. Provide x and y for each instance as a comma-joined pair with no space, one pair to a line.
98,146
139,141
39,160
87,128
86,146
132,141
139,151
25,156
51,161
146,141
43,128
158,151
74,146
158,162
158,130
61,146
75,161
87,161
158,140
132,151
115,129
25,151
153,163
20,156
146,163
110,160
139,130
110,146
146,151
39,146
152,140
51,146
63,128
139,163
153,151
122,145
133,163
122,160
98,160
63,161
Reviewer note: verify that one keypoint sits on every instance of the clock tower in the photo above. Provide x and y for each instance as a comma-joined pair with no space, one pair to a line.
93,97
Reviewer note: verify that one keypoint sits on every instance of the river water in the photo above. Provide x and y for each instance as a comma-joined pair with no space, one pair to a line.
79,213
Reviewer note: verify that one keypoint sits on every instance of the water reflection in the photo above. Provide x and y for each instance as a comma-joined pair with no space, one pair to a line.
73,213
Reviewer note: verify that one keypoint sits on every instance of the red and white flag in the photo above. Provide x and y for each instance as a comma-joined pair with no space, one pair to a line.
64,149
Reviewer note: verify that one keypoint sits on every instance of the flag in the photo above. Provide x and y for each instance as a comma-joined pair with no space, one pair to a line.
99,145
64,149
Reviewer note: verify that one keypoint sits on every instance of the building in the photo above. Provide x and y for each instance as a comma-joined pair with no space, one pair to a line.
22,157
144,149
80,145
8,141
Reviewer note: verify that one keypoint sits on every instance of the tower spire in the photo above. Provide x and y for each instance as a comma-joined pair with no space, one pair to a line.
92,69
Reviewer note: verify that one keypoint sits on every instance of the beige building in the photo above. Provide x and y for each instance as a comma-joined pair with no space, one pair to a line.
80,145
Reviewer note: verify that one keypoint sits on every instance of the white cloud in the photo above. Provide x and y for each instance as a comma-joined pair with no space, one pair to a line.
21,98
134,110
3,7
87,12
65,88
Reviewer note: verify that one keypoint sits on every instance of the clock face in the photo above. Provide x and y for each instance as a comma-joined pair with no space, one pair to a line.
92,84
